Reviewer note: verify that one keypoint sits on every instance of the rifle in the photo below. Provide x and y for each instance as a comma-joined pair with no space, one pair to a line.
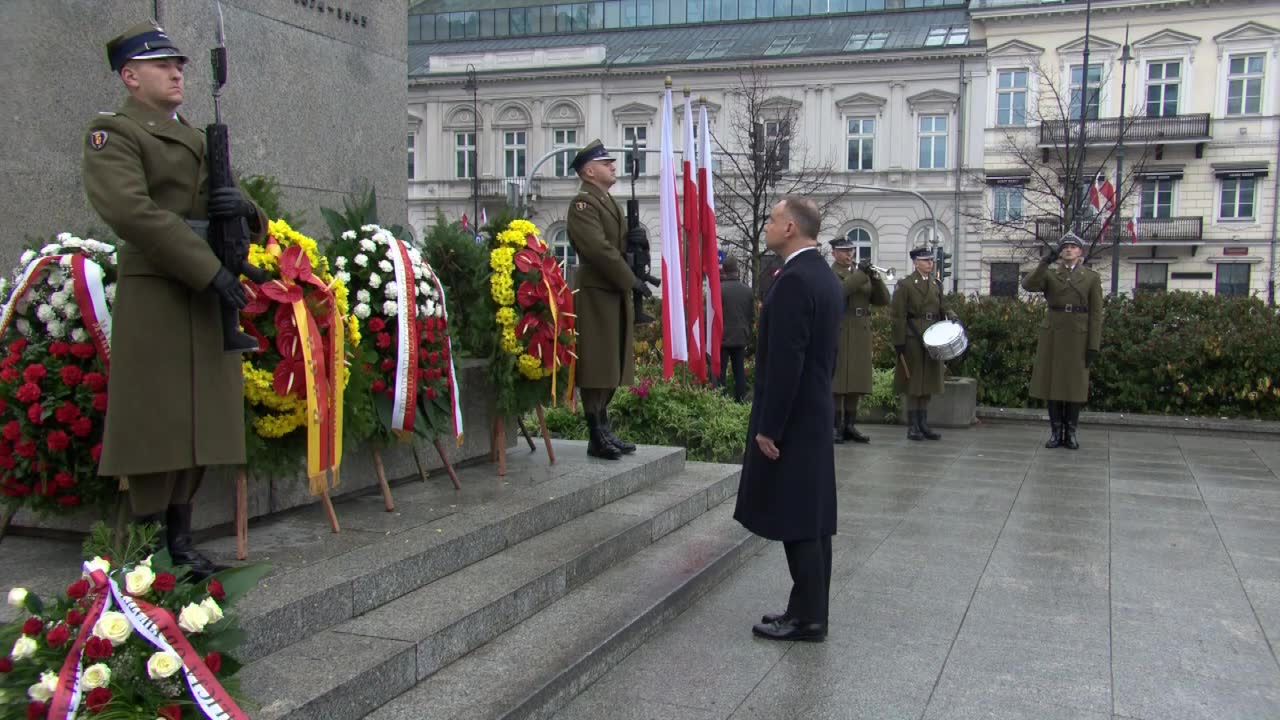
637,254
229,239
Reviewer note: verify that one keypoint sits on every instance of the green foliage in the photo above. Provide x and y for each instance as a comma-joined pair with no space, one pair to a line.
883,404
265,191
131,547
359,208
463,267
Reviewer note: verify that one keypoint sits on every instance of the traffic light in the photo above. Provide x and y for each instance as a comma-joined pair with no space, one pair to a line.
757,147
943,261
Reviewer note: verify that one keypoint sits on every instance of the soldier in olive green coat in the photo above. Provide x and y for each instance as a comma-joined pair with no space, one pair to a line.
176,398
1070,337
597,231
862,288
917,304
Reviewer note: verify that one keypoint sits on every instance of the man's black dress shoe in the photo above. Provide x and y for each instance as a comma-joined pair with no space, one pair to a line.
791,629
773,617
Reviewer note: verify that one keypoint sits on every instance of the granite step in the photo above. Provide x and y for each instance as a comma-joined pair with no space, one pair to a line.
325,580
537,667
387,650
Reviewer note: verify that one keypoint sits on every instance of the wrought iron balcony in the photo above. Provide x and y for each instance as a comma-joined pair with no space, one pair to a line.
504,187
1139,130
1151,231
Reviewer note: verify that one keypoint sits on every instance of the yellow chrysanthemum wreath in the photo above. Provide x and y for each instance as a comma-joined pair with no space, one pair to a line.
502,289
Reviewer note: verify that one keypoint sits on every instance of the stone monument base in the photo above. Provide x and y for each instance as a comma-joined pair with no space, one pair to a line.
957,406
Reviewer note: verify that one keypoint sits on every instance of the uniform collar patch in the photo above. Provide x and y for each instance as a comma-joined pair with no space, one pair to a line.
98,139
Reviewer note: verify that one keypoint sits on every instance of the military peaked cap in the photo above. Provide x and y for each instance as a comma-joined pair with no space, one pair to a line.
841,243
1070,239
593,151
922,253
144,41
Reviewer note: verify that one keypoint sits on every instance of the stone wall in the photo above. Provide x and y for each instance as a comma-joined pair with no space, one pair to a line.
315,98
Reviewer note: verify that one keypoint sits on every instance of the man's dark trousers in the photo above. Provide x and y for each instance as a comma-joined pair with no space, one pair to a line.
739,357
810,565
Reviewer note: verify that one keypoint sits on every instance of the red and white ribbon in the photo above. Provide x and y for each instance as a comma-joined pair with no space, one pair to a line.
405,390
453,375
91,297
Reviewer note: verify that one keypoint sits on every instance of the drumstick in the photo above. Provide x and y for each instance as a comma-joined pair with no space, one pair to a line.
905,370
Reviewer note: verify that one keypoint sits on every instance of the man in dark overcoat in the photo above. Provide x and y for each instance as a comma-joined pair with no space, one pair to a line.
917,304
863,288
787,490
739,306
597,230
1070,337
176,398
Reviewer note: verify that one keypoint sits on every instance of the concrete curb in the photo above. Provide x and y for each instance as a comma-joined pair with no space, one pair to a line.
1259,428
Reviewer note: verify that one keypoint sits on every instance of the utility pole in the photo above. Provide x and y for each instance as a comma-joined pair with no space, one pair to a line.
473,84
1125,57
1077,201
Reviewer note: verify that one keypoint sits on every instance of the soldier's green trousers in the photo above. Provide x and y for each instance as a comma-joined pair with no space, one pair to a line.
595,400
153,493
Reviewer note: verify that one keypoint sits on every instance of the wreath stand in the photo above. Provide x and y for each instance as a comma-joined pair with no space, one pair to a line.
241,513
498,439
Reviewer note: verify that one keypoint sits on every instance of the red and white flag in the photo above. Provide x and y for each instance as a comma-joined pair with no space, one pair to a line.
675,347
713,317
1102,198
694,282
484,218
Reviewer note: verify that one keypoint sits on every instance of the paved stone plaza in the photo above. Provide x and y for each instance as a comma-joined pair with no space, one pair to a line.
987,577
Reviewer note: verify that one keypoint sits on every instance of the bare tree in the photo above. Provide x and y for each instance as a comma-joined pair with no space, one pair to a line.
764,158
1055,170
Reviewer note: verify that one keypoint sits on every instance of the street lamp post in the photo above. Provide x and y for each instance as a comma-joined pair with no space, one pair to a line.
473,84
1125,57
1078,201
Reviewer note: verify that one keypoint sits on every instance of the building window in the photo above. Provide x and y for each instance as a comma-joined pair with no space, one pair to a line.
861,239
561,248
1236,199
1007,204
1011,98
933,142
1244,85
411,156
562,139
862,140
1152,278
1005,279
1157,199
777,135
1163,81
465,154
1233,279
1092,95
924,237
866,41
514,147
638,134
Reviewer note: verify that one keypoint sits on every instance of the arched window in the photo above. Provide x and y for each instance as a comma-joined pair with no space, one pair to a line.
561,248
924,235
861,238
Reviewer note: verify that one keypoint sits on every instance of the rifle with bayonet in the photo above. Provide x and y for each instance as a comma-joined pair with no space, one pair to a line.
637,254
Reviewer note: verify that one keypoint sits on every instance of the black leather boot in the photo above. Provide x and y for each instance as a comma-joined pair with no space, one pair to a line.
913,425
1055,425
598,444
850,431
623,446
837,436
922,421
1071,418
181,548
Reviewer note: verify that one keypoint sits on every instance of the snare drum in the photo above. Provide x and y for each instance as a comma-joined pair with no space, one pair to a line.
945,340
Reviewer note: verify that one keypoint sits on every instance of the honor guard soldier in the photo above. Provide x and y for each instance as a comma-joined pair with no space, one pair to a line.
862,288
177,399
1070,336
917,304
597,231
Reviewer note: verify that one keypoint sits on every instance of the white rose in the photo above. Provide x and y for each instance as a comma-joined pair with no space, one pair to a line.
50,681
49,249
56,328
362,260
95,676
114,627
362,295
97,563
390,308
18,596
27,257
71,311
415,256
362,311
431,309
79,335
138,581
348,234
24,327
424,289
64,236
58,299
39,693
386,266
110,292
422,311
340,262
211,606
24,648
73,243
343,276
374,280
369,228
193,618
163,664
44,313
391,289
368,245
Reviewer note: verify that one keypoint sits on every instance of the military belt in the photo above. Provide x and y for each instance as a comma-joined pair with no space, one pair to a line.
926,316
861,312
1069,308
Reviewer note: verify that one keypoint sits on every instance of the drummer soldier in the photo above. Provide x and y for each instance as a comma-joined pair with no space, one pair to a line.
917,304
862,288
1070,336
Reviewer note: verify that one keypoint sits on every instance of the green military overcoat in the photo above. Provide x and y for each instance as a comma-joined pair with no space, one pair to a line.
1065,336
853,364
597,231
176,400
917,304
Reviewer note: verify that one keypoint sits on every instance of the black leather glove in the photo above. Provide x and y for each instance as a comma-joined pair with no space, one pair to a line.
1090,357
1049,256
642,288
229,289
229,204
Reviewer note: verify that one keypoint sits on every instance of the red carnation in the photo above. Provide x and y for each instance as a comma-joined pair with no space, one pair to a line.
82,427
28,393
67,412
10,375
34,373
384,340
69,501
17,346
377,324
4,406
10,361
6,665
388,365
84,351
170,712
35,413
47,488
26,449
431,393
379,386
33,626
58,636
96,452
75,618
100,402
97,648
164,582
97,382
12,431
216,591
72,375
37,710
7,462
98,699
64,480
58,348
78,589
214,661
58,441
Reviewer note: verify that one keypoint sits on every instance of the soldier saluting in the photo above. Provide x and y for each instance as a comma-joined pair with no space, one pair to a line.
862,287
177,399
917,304
1070,336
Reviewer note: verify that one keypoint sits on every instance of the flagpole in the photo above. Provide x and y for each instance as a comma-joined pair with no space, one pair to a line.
1115,245
1077,211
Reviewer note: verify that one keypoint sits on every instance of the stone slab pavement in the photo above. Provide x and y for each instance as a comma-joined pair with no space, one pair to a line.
984,576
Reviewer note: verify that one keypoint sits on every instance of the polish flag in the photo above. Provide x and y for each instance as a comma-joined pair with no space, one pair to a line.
675,346
1102,198
714,311
693,298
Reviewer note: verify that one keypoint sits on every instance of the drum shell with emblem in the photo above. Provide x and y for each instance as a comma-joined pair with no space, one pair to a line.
946,340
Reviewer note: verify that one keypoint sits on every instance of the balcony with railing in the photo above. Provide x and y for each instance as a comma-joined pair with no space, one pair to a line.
1137,130
1151,231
